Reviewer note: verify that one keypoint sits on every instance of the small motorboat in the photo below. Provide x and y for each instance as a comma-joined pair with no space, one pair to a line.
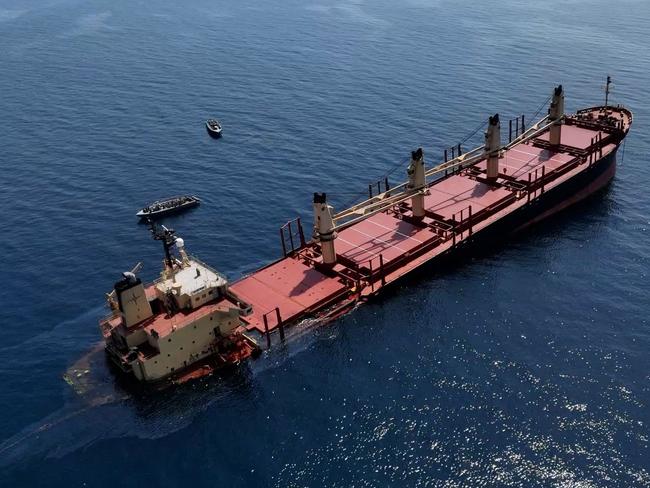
161,208
214,127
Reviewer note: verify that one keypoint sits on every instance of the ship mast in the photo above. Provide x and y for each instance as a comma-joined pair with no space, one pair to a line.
609,82
162,233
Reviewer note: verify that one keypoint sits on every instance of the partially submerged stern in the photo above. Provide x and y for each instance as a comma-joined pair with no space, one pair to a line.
179,326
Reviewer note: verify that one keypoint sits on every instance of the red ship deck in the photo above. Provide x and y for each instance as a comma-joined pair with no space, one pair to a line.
380,234
397,243
574,136
289,285
451,195
523,159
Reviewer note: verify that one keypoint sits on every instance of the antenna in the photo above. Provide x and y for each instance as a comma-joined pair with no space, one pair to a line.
167,236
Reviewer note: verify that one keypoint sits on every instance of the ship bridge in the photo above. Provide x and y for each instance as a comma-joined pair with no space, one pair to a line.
192,285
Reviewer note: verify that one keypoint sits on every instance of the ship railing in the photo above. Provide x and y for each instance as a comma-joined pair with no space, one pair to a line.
292,236
105,322
439,226
382,187
109,317
596,147
517,187
462,221
536,180
573,151
376,272
352,275
518,128
359,275
596,125
279,325
453,151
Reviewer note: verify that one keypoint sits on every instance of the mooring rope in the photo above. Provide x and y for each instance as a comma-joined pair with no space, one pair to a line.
481,126
541,107
623,154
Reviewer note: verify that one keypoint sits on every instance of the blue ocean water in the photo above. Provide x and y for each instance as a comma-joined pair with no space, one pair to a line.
524,366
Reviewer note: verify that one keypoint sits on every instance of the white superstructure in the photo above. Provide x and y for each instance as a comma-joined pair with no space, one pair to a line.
186,316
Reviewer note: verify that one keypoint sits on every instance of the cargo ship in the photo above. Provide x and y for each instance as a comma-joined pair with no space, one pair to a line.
192,320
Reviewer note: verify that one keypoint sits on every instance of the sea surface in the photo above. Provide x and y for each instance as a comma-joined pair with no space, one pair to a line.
526,365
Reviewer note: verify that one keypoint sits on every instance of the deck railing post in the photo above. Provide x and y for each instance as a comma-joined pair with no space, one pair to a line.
446,156
372,281
301,233
386,183
357,269
469,220
381,270
600,145
280,324
453,230
284,247
268,334
460,150
293,247
517,128
528,187
369,190
510,130
543,174
523,123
